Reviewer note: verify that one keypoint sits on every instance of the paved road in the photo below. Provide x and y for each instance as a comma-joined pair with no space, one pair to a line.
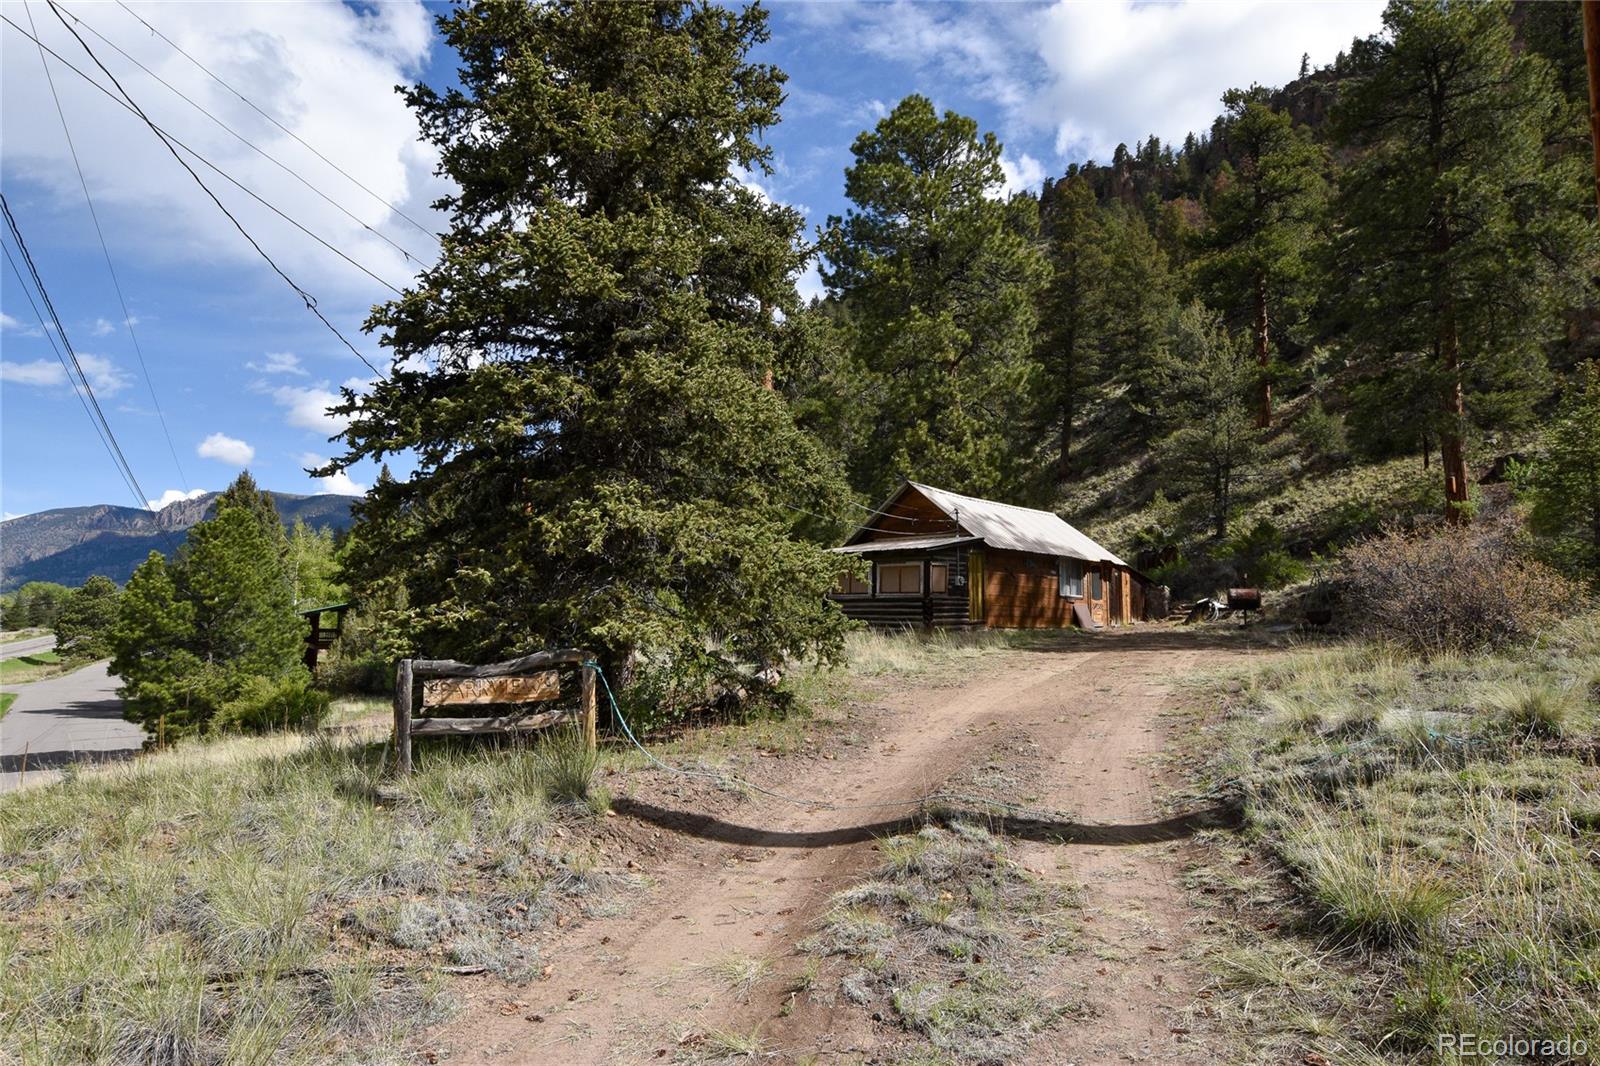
30,646
55,722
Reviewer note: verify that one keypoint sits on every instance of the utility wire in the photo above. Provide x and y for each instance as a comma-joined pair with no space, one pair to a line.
94,216
310,301
243,139
173,138
110,438
61,357
214,77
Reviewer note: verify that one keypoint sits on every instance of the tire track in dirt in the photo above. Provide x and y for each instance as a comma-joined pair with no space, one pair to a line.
751,882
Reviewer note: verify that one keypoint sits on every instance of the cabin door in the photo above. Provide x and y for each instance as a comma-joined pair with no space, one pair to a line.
975,586
1116,597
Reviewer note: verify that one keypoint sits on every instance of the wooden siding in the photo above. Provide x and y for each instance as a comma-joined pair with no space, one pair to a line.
946,609
1019,592
912,514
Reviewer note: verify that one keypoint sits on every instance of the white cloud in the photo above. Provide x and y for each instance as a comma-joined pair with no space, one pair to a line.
307,406
174,495
1023,174
226,449
327,71
809,283
340,484
38,372
11,325
1093,75
1119,71
101,327
105,377
279,363
9,515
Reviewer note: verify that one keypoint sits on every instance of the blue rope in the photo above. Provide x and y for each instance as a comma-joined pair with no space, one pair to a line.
724,778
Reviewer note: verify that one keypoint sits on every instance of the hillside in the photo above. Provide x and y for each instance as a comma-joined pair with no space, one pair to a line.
69,544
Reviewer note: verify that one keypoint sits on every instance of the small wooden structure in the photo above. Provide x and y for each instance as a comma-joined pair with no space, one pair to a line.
421,683
318,638
941,559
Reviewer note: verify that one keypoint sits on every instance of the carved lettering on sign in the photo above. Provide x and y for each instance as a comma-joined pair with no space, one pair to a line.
442,691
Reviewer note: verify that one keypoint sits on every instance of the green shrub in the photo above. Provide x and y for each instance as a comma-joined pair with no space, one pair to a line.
1321,434
1259,558
267,705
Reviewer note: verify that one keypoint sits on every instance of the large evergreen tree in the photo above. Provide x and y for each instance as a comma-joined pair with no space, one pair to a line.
162,680
1070,313
581,376
1464,228
939,275
1255,263
1138,299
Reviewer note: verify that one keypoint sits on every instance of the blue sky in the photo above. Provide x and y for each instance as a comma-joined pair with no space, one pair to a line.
243,373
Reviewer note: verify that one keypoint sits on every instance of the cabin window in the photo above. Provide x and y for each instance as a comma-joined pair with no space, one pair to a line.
938,578
1069,577
850,585
899,579
1096,590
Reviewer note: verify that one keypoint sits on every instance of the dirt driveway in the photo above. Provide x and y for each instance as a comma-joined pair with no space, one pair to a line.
1077,727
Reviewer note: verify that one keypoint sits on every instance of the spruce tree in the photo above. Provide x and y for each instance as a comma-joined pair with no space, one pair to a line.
231,570
582,375
1464,225
1255,259
151,652
939,276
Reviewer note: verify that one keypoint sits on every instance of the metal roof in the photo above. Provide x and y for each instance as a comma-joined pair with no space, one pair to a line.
892,544
1006,526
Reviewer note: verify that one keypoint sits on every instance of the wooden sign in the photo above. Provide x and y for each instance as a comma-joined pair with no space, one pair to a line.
440,691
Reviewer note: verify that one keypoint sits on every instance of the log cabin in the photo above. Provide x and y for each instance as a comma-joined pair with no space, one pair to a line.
941,559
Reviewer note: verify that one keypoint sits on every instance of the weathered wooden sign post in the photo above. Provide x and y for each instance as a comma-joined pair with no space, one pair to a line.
445,682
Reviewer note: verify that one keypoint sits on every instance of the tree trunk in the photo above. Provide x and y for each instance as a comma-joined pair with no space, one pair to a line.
1452,449
1263,357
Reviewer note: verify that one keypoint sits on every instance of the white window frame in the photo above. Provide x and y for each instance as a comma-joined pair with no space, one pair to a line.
877,578
1069,575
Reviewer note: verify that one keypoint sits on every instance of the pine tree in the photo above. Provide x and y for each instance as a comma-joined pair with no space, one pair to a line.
582,375
161,677
313,566
939,277
1464,229
1213,443
1255,260
1070,313
1563,484
84,629
1139,297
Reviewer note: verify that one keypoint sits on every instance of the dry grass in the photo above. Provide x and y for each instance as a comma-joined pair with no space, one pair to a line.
271,899
952,939
1433,825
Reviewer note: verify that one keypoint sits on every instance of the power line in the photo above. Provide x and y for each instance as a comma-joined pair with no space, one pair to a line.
243,139
214,77
309,300
94,216
44,328
110,438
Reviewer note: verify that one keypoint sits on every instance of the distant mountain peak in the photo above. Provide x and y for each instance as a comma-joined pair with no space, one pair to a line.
70,544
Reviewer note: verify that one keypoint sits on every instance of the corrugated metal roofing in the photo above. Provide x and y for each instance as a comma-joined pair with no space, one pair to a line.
904,544
1023,529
